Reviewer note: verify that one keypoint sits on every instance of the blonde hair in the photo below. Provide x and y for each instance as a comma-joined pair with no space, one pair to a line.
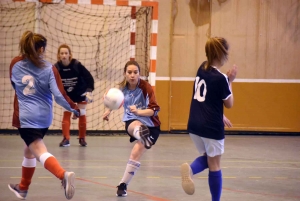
64,46
29,46
123,83
216,48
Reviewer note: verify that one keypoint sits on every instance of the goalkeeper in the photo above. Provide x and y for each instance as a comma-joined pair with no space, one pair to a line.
79,84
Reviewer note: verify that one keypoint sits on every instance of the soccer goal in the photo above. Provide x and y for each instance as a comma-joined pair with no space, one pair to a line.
103,36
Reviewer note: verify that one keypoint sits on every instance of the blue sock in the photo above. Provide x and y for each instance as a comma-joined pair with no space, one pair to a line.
199,164
215,184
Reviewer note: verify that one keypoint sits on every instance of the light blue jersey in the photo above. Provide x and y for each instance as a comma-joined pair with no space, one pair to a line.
34,88
143,98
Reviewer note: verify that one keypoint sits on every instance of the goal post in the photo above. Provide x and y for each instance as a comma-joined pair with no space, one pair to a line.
102,34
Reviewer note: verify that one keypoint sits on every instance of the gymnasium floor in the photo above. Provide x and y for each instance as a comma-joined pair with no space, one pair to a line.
255,168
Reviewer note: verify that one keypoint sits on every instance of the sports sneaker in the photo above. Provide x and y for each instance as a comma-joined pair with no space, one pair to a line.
145,134
68,184
16,190
186,176
64,143
122,190
82,142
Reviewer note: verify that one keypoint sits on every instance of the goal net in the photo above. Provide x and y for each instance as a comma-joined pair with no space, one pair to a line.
102,37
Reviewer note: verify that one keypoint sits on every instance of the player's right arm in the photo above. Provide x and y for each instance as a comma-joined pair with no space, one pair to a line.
106,114
60,95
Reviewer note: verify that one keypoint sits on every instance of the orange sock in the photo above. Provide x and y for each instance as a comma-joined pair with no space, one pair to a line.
27,173
66,124
28,167
82,126
54,167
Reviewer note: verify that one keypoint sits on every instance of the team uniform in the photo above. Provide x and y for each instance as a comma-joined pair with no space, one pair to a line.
32,116
206,111
76,80
143,98
206,127
33,92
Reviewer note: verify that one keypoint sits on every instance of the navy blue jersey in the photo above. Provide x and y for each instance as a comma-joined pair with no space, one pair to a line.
206,111
76,79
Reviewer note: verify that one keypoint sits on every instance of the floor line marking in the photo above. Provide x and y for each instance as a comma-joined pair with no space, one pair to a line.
135,192
264,194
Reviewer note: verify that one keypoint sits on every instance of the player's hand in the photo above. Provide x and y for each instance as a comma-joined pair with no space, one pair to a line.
227,122
231,73
76,114
133,109
88,97
106,115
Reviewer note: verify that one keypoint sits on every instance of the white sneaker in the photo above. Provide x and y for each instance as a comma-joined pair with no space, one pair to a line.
68,184
186,176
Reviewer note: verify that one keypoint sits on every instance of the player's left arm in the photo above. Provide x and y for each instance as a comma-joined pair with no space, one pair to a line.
89,80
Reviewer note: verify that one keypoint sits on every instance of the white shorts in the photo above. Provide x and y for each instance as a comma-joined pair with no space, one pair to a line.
209,146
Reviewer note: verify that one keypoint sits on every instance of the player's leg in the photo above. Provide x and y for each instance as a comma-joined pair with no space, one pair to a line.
82,123
137,152
198,165
132,166
214,150
28,168
140,132
34,140
66,129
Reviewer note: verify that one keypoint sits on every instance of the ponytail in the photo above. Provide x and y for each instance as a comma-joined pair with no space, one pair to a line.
30,45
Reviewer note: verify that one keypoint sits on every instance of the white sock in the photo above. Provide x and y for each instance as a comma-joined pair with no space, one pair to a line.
44,157
131,168
136,132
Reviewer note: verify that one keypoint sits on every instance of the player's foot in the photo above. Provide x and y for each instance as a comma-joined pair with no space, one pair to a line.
186,176
122,190
68,184
16,190
145,136
82,142
64,143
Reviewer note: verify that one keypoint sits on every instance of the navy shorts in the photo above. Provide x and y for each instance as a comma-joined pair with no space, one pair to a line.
29,135
154,132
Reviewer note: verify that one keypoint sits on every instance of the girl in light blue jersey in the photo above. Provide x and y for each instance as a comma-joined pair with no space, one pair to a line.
140,117
35,81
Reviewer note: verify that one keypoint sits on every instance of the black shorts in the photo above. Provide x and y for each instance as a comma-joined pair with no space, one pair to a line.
77,99
154,132
31,134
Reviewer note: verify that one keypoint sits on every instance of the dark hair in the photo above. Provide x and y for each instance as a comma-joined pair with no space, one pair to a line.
216,48
124,82
29,46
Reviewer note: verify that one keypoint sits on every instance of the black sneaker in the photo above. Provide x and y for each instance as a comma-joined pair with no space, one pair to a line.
145,134
82,142
122,190
64,143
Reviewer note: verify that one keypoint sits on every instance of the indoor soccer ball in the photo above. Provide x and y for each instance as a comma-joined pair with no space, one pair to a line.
113,99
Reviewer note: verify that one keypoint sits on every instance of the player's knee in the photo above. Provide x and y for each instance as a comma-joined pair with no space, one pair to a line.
82,112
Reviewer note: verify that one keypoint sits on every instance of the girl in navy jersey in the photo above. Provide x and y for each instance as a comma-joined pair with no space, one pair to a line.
140,117
35,81
211,91
79,84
